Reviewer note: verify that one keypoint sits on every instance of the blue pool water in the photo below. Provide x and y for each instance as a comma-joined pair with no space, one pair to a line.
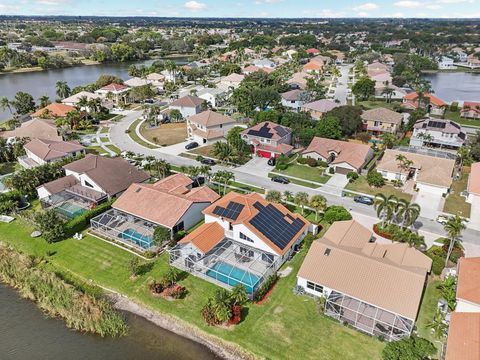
144,241
232,276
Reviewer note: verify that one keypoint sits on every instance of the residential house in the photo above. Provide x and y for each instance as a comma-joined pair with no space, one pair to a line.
446,63
75,99
343,156
319,108
433,104
473,61
156,80
264,63
377,68
214,96
314,67
473,194
209,126
42,151
294,99
114,92
172,203
244,240
376,288
290,53
35,128
136,82
460,54
438,132
53,111
380,120
233,80
470,110
268,139
298,81
187,105
429,173
252,68
313,51
87,182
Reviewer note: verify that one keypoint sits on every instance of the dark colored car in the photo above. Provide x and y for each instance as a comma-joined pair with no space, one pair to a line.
209,162
363,200
271,161
280,179
191,145
197,181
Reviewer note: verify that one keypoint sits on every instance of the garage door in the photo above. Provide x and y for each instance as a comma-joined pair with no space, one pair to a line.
265,154
342,170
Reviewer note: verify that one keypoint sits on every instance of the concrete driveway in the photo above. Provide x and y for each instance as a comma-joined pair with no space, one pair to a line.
257,166
431,204
175,149
338,181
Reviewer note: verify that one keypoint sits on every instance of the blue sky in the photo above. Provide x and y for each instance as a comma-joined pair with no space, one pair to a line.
246,8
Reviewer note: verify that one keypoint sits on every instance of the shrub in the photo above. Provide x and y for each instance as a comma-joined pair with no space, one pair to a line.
322,163
438,263
175,291
302,160
50,224
81,222
336,213
134,266
161,235
180,235
265,287
311,162
374,178
331,170
308,240
149,254
412,347
281,166
352,176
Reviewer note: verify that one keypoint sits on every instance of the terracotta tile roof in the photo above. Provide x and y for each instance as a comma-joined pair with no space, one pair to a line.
114,87
353,154
384,115
54,110
35,128
474,179
432,170
312,65
113,175
468,286
279,149
210,118
272,130
463,336
188,101
322,106
413,96
313,51
205,237
163,203
50,150
249,211
381,277
471,106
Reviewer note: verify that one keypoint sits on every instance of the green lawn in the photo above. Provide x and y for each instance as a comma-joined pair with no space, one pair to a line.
298,182
456,204
96,149
285,327
361,185
376,104
115,149
104,130
455,116
104,139
305,172
135,137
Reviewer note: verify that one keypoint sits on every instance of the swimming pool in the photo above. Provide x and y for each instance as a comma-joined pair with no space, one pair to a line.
143,241
231,275
70,210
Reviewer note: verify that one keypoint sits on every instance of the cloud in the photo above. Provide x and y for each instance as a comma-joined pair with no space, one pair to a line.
51,2
366,7
259,2
195,5
408,4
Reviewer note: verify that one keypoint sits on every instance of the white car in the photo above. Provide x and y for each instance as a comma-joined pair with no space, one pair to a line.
442,219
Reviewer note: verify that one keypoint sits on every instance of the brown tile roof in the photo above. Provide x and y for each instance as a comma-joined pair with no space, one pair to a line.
188,101
249,212
59,185
312,65
205,237
390,276
384,115
432,170
35,128
353,154
463,337
113,175
279,149
468,286
322,106
474,179
294,95
114,87
50,150
210,118
163,203
54,110
277,131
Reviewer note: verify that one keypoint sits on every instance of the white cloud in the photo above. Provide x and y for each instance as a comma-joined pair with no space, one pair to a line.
51,2
195,5
366,7
259,2
363,14
408,4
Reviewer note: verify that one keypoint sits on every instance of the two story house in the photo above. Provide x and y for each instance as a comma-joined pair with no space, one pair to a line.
380,120
268,139
319,108
209,126
295,99
437,132
187,105
470,110
431,103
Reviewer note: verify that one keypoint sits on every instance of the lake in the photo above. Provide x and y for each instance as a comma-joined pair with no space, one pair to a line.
41,83
25,333
455,85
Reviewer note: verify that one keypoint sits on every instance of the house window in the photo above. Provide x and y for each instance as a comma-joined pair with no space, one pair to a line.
268,258
179,227
88,184
314,287
246,252
245,237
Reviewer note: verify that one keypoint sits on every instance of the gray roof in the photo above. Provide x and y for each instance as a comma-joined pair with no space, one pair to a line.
322,106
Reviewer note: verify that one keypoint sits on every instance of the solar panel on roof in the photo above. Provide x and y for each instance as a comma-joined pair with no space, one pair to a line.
232,211
264,132
281,131
272,224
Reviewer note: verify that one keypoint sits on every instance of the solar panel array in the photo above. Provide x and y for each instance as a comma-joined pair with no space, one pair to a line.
437,124
232,210
281,131
264,132
272,223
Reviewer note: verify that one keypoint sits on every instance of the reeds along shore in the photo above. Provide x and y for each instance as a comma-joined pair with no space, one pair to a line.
80,311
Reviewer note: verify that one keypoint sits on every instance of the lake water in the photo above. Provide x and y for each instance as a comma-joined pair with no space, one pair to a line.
455,86
41,83
25,333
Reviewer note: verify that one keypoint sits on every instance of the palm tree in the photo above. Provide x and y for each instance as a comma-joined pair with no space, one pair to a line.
62,89
301,199
205,171
318,203
162,168
5,104
224,152
388,92
239,295
274,196
287,195
44,101
385,207
221,305
171,67
437,325
407,212
224,177
454,227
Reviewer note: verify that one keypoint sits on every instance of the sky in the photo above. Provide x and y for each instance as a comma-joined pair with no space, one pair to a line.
246,8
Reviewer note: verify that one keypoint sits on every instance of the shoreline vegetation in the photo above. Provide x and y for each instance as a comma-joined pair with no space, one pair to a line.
81,310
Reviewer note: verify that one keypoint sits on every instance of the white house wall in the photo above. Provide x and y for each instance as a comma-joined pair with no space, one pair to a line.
466,306
84,177
43,193
437,190
193,215
257,242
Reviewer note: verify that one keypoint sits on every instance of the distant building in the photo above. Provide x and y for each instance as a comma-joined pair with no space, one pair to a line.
319,108
433,104
209,126
446,63
380,120
470,110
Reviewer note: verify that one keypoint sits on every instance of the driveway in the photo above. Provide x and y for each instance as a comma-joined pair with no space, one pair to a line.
338,181
175,149
431,204
474,215
257,166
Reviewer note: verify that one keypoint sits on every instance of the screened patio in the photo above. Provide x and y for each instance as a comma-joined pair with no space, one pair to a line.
367,318
132,230
229,263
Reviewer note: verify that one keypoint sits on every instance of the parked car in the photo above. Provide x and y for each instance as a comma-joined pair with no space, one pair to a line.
271,161
280,179
442,219
209,162
363,200
197,181
191,145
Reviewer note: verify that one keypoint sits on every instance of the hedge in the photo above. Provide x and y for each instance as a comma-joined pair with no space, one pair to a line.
81,222
265,287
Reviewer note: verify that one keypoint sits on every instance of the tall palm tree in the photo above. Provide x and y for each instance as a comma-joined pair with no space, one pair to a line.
44,101
171,67
224,152
274,196
407,212
5,104
385,207
62,89
287,195
301,199
454,227
239,295
318,203
205,171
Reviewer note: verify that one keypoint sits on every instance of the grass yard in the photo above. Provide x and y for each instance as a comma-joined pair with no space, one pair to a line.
455,116
285,327
104,139
96,150
204,151
455,203
104,130
298,182
361,185
133,135
376,104
166,134
305,172
115,149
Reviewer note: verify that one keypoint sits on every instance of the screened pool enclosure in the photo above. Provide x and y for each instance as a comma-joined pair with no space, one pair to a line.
229,263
